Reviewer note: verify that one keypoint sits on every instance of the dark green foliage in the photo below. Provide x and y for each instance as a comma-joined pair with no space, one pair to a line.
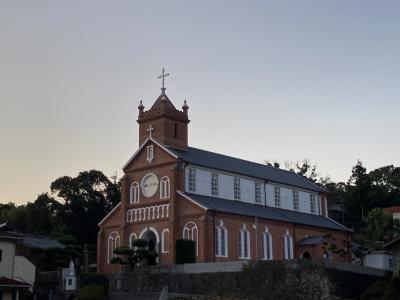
67,239
123,251
140,252
91,292
185,251
94,279
87,199
388,289
140,243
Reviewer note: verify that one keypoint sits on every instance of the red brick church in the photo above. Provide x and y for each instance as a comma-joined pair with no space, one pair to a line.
232,208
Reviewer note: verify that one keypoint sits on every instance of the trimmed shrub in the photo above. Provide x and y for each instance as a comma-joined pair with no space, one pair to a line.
140,243
185,251
94,279
91,292
123,251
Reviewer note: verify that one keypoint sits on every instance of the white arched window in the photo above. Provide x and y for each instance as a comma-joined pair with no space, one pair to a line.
190,232
165,241
132,238
287,245
244,243
221,240
134,193
164,188
113,242
266,245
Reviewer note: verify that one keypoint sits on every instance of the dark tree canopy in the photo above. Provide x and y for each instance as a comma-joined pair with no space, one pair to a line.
87,199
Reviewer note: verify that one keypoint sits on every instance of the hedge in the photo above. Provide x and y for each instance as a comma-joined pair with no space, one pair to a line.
185,251
94,279
91,292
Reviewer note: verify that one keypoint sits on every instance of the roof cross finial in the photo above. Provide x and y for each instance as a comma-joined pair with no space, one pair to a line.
162,77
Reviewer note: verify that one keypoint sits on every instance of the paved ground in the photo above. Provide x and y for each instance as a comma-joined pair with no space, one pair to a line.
133,296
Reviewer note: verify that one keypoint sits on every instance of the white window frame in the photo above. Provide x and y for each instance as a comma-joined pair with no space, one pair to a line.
221,240
277,195
132,238
112,243
266,245
236,188
134,193
192,180
296,200
163,238
214,184
244,243
165,189
313,204
257,192
150,153
191,232
288,245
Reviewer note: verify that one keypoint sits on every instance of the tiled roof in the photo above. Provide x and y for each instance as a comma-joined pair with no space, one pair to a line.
40,242
8,282
239,166
264,212
394,209
311,240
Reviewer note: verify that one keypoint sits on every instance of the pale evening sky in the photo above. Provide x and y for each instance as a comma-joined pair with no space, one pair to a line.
280,80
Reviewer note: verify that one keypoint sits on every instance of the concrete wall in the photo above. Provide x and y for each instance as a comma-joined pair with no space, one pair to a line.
379,261
7,261
253,280
24,270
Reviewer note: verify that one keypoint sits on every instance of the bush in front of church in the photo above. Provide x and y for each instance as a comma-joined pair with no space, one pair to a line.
94,279
91,292
185,251
133,256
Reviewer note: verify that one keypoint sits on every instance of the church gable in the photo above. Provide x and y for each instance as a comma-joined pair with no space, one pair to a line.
113,218
187,207
151,153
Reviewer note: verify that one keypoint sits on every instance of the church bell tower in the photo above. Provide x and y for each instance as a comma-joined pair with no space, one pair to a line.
163,121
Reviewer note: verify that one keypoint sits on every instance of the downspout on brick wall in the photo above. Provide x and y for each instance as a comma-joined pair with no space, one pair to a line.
213,230
294,241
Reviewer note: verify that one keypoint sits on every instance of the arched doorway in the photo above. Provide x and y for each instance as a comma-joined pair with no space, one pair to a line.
306,255
152,238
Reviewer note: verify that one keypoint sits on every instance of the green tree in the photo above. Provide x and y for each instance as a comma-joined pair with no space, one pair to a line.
379,228
87,199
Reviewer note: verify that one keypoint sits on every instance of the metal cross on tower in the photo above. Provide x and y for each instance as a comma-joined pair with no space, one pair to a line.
162,77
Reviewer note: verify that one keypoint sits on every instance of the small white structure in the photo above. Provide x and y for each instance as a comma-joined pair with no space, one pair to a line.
69,277
379,260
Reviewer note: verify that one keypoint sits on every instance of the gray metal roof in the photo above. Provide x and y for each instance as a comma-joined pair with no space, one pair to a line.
311,240
265,212
40,242
244,167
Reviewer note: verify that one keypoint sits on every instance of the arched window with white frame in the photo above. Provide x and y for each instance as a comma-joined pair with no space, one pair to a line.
134,193
165,241
190,232
244,243
266,245
287,245
221,240
132,238
164,188
112,243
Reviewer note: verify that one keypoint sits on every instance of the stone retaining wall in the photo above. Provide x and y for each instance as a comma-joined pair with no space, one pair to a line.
253,280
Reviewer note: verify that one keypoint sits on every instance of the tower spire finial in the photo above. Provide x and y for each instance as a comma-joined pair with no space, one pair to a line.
162,77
